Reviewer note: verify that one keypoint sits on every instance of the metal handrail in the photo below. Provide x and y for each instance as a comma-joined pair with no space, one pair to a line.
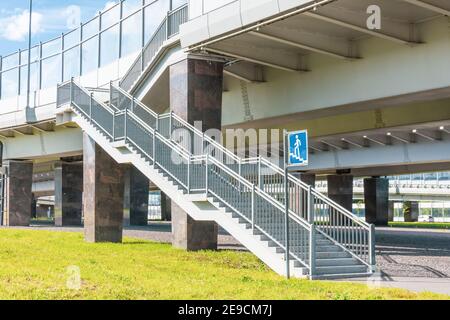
315,196
185,179
162,27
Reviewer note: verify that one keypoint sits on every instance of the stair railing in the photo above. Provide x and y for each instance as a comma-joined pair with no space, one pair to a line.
168,28
193,173
310,206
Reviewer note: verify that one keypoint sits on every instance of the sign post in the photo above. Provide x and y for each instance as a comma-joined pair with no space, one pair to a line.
295,155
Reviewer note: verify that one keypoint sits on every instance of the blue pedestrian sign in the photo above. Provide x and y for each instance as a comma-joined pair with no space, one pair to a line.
298,148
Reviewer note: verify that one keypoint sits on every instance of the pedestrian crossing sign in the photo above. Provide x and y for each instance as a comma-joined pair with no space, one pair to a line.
298,148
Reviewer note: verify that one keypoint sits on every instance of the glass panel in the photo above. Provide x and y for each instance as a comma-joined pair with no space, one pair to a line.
131,34
110,17
71,63
10,61
51,47
430,176
417,176
34,78
109,46
154,15
51,72
178,3
10,80
34,55
444,176
90,55
71,39
130,6
90,29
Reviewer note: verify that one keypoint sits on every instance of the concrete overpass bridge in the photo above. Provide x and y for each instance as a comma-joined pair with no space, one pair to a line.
373,100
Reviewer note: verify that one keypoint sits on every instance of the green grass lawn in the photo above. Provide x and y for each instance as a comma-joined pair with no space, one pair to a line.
420,225
38,264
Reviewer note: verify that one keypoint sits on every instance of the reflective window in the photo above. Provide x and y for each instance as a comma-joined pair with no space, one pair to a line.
131,6
90,29
109,46
51,71
34,78
430,176
131,34
51,47
71,63
90,55
71,39
10,80
10,61
444,176
110,17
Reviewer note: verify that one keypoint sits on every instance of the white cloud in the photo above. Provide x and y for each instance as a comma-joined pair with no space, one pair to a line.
15,27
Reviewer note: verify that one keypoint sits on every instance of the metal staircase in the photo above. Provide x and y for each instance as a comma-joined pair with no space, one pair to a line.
244,196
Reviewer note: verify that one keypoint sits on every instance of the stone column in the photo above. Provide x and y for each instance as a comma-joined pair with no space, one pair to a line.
136,197
308,178
18,196
192,235
411,211
376,198
391,211
103,181
340,190
68,194
196,95
166,207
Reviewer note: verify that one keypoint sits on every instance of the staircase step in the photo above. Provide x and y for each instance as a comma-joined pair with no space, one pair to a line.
329,270
332,255
337,262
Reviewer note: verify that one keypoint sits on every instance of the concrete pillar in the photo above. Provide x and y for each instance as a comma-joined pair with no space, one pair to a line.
192,235
391,211
411,211
340,190
103,185
135,198
196,95
33,206
376,198
18,196
166,207
308,178
68,194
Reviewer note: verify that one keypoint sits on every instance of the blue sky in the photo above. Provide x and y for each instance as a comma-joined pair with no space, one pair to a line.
50,18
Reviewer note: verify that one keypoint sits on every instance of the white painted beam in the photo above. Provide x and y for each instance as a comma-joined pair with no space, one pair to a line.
358,28
429,6
254,60
300,45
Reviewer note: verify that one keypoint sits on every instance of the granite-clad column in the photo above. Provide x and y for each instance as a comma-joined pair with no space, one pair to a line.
68,194
136,195
391,211
411,211
340,190
376,198
18,196
166,207
196,95
308,178
103,186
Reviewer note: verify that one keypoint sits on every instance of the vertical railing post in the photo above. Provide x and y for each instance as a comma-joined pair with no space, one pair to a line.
90,105
206,175
71,91
99,35
167,25
170,125
81,49
286,223
1,76
154,149
260,180
125,127
157,123
372,258
189,175
253,208
62,57
120,27
310,206
312,251
39,85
